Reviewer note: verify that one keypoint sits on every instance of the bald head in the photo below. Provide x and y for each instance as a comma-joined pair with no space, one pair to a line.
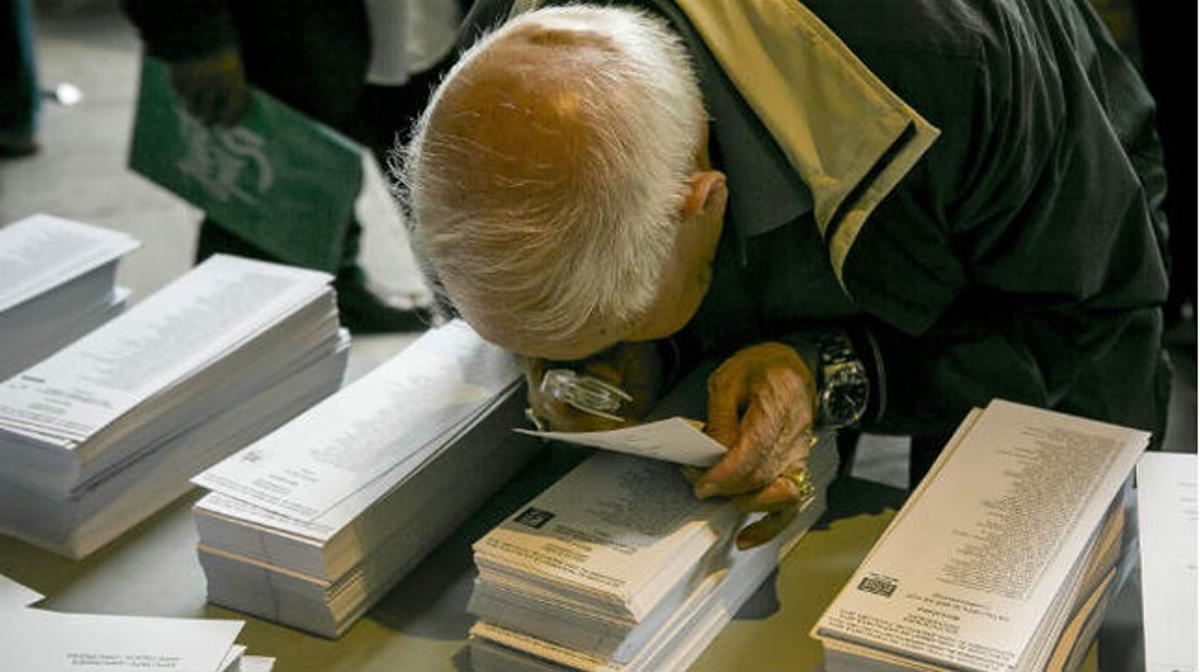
546,176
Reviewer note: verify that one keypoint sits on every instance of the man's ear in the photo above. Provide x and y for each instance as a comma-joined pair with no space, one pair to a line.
705,185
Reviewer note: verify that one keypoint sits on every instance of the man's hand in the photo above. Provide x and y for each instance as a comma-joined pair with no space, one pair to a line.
636,368
760,406
213,87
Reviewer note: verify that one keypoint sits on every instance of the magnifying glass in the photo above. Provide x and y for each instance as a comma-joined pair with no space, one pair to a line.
585,393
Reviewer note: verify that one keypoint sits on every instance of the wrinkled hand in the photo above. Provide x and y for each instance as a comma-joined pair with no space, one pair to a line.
760,406
213,87
636,368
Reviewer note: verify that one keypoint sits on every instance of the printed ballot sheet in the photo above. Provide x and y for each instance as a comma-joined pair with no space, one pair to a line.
41,252
979,553
1167,517
31,639
193,321
313,463
608,527
14,596
673,440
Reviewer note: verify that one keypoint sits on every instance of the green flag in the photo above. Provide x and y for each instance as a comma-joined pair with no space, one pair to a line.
277,179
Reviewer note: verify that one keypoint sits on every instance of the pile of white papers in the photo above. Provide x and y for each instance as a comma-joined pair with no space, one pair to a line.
311,525
1166,494
1003,558
617,566
56,284
108,430
48,641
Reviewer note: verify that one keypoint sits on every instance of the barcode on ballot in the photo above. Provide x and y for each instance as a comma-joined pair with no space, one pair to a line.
878,585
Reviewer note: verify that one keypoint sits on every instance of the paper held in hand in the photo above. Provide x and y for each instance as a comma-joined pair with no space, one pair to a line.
675,439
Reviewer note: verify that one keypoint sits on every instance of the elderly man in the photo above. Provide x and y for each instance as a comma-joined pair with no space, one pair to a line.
880,214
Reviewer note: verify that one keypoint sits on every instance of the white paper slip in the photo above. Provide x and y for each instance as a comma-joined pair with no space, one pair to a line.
14,596
338,447
256,664
41,251
1167,518
673,440
46,641
233,659
191,322
974,564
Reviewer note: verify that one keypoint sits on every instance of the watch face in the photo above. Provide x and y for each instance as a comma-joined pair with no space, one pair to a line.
844,398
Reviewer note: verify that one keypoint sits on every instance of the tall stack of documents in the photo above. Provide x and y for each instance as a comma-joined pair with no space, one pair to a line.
57,282
618,567
108,430
1003,558
311,525
33,639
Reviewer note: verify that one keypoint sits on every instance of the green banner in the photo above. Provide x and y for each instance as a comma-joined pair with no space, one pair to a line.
277,179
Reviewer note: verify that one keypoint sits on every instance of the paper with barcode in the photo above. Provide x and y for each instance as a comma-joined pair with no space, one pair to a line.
966,572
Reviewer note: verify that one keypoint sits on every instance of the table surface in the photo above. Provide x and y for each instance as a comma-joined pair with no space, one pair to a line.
422,623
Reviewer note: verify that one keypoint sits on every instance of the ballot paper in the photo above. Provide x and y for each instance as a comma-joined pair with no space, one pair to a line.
675,439
309,466
375,463
618,567
980,568
104,432
190,323
1167,529
13,595
57,283
32,639
41,252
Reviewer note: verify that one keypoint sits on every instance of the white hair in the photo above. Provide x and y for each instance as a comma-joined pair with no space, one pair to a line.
549,244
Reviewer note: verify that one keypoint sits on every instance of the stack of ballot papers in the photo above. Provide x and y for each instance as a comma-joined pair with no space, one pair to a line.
105,432
48,641
1003,558
618,566
1167,516
314,523
57,283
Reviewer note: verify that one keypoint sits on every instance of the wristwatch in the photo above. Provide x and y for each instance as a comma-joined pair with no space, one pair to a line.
842,382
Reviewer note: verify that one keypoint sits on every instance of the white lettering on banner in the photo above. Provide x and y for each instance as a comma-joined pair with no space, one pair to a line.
216,158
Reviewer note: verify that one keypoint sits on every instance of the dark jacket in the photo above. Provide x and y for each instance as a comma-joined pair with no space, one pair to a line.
1023,255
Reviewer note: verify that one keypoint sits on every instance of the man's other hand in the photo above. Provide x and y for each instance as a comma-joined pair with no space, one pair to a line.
213,87
760,406
636,368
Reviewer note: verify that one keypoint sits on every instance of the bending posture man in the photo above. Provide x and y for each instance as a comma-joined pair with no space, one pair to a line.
881,214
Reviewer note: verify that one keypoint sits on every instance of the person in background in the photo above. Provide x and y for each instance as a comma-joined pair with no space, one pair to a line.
362,67
877,214
19,94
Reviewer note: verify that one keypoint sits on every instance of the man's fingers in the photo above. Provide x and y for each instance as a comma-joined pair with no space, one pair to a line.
752,462
765,529
725,395
783,493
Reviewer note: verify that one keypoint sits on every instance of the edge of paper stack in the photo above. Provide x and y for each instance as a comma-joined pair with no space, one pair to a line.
315,522
1003,558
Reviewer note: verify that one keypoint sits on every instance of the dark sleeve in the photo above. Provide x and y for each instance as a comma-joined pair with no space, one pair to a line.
1022,259
181,29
